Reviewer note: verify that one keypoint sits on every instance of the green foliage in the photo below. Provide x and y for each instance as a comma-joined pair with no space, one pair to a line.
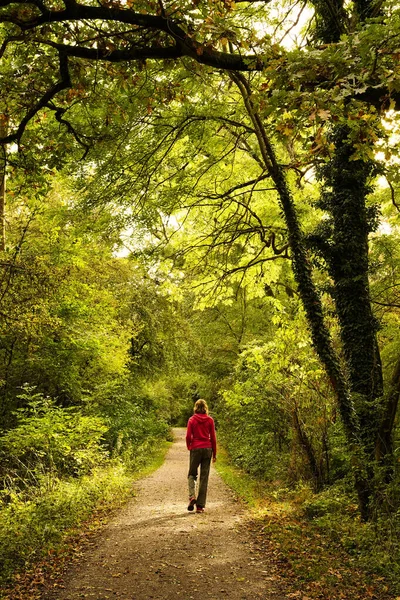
278,417
132,419
255,430
374,546
31,527
62,298
51,442
246,487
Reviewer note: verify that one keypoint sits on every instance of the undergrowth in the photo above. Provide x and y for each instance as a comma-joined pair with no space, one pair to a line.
37,524
318,543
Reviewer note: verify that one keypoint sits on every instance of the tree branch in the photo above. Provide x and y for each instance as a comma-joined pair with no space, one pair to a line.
184,44
64,83
59,113
165,53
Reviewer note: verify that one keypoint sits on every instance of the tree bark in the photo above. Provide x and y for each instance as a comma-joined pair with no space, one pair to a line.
306,445
3,165
345,244
384,442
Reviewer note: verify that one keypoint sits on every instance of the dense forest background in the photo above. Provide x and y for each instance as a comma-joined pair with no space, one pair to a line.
199,200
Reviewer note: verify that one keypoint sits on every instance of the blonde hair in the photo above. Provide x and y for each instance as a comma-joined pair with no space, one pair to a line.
201,407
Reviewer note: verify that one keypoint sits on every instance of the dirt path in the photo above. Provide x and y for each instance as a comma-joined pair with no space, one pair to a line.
156,549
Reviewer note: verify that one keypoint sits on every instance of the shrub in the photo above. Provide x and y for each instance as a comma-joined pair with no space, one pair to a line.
31,527
51,442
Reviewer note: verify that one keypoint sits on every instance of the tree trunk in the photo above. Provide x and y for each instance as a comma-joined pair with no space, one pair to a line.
306,445
346,253
3,164
384,442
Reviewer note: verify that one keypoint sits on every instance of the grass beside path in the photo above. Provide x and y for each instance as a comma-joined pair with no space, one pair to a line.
310,560
39,538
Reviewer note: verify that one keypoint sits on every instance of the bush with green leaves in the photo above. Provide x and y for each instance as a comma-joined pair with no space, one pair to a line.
50,442
133,419
253,423
278,417
31,527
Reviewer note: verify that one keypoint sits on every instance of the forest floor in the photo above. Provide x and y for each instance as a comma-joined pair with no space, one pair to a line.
154,549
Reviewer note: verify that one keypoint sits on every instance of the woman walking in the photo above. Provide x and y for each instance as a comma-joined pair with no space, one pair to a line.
202,443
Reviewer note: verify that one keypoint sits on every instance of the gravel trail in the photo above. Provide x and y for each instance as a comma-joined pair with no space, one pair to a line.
155,549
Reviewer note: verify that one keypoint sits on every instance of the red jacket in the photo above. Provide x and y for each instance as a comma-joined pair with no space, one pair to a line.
200,433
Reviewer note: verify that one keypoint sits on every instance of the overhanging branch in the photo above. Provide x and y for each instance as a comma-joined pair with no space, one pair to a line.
178,43
64,83
184,44
168,52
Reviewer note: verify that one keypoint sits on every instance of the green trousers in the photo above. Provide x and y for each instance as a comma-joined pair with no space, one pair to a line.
201,457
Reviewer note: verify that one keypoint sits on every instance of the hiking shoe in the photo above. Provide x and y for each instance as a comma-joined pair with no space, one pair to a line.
192,502
200,509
